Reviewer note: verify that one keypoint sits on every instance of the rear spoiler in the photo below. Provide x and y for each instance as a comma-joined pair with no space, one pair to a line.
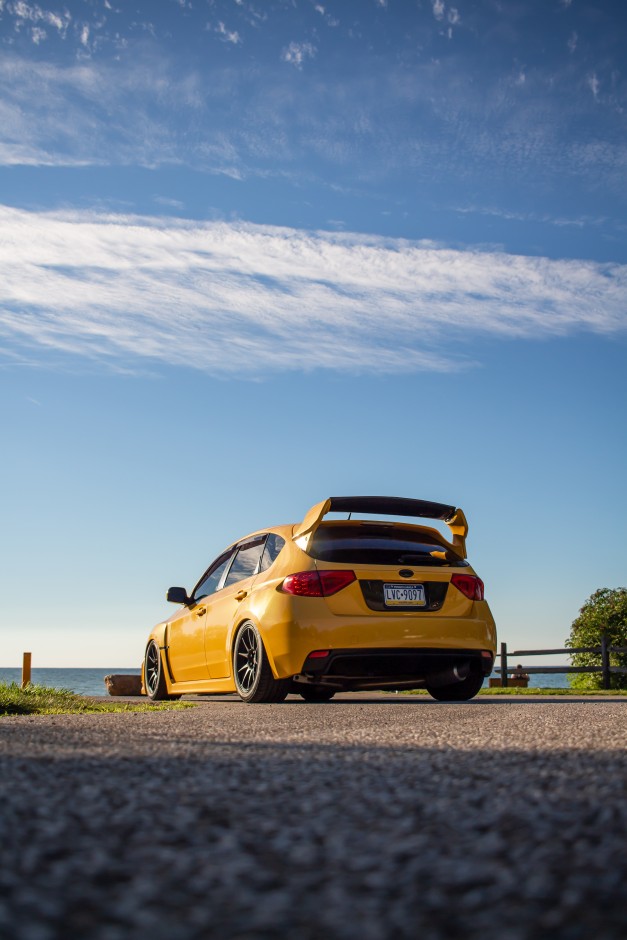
389,506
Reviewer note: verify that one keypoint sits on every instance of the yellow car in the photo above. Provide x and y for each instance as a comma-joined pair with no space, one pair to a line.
331,605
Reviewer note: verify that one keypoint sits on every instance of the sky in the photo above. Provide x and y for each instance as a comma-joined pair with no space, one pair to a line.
255,254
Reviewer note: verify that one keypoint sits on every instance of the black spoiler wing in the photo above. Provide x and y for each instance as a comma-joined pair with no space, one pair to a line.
389,506
392,506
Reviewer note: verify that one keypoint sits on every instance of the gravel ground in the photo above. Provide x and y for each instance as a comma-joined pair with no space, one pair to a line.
361,819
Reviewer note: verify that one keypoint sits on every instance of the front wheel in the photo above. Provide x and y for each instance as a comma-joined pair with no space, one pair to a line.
253,676
457,691
154,680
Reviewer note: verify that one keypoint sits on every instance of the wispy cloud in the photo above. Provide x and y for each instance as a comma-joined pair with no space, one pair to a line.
594,84
228,35
412,119
52,115
452,17
169,202
296,53
32,13
544,218
331,20
227,298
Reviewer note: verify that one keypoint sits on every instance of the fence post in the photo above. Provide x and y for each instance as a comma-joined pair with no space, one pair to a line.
504,665
605,662
26,661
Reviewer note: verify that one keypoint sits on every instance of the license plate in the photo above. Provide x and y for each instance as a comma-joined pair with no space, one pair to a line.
404,595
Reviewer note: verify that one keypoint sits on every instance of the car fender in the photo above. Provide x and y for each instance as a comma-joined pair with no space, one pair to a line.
159,635
243,616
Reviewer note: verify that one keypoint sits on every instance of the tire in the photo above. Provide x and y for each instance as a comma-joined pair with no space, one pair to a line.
458,691
154,680
315,693
251,670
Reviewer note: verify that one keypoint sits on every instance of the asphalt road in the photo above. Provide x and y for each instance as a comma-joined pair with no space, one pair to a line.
365,818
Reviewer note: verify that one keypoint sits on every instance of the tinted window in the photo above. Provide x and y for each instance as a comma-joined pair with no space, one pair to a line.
211,580
246,561
274,544
379,545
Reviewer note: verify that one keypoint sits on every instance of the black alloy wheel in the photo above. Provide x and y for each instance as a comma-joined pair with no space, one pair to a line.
458,691
154,680
253,676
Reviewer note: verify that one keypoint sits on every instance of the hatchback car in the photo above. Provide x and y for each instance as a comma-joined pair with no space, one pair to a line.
331,605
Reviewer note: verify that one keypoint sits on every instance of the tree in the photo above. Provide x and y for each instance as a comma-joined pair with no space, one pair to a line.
605,612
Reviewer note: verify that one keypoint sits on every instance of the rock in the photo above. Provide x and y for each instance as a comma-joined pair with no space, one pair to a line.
123,685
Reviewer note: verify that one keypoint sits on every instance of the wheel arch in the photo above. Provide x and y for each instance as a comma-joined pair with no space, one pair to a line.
250,618
159,636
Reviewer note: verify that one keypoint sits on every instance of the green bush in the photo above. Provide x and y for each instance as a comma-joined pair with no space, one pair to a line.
605,612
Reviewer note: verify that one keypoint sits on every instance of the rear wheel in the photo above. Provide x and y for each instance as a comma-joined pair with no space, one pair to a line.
315,693
458,691
253,676
154,680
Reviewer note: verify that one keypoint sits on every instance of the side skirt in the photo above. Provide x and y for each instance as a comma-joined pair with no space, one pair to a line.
203,687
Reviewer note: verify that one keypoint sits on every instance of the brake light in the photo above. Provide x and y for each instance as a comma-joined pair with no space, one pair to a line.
334,581
317,583
304,584
470,585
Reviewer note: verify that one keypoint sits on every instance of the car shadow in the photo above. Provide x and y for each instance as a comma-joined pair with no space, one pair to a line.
390,699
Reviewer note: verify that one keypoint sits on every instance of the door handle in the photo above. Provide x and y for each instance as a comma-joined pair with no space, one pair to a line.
240,595
201,611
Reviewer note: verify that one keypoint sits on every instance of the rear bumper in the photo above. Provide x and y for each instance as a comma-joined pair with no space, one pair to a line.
292,627
394,668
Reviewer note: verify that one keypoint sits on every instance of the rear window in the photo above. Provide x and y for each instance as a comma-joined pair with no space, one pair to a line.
274,544
245,562
380,545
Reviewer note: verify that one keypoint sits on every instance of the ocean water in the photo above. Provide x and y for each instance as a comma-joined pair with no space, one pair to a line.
82,681
542,680
91,681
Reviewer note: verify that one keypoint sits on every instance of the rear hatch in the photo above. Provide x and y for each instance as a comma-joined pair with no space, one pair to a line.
399,568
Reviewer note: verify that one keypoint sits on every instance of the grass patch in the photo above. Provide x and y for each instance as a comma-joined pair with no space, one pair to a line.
541,690
41,700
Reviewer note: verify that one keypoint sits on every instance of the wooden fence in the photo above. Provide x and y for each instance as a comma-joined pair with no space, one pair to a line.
603,651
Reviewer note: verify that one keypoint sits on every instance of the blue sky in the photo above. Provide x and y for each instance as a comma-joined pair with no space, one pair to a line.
256,254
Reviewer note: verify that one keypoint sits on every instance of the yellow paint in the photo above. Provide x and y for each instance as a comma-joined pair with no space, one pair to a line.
459,531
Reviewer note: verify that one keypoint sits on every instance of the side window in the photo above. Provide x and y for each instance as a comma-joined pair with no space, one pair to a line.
211,580
245,562
274,544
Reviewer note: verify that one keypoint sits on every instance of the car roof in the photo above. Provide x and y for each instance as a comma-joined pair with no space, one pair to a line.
375,506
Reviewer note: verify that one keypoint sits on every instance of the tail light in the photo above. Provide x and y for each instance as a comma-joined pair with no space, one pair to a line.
317,583
470,585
